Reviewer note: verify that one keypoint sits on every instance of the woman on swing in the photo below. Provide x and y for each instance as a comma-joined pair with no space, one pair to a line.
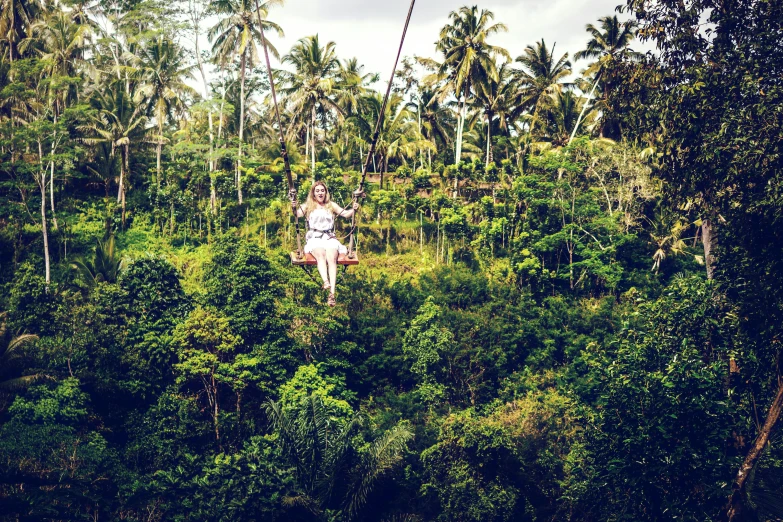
319,210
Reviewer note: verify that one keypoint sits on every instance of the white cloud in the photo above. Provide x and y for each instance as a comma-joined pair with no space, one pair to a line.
371,31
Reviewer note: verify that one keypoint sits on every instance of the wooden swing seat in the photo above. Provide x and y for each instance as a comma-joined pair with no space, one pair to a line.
309,260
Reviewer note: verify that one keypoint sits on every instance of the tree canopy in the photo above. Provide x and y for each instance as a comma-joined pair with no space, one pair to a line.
568,303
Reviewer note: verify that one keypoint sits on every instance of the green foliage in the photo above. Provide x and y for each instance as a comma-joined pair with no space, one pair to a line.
164,436
246,485
571,230
465,490
506,464
154,302
63,465
422,179
104,266
425,340
13,355
335,472
62,405
32,307
154,291
307,382
531,307
664,416
240,282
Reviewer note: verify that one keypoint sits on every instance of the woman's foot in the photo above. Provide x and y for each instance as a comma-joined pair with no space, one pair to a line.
326,285
331,301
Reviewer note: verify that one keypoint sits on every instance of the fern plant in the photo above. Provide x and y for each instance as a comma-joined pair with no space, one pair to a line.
332,474
11,354
104,266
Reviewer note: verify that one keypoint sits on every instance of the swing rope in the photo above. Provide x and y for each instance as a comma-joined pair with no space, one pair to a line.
292,192
359,192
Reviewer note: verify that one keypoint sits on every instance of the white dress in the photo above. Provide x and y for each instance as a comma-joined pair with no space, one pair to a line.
321,232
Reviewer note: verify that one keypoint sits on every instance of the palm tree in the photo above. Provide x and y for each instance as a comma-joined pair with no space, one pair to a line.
499,98
666,231
61,43
10,354
16,17
468,58
562,115
312,88
541,77
104,265
352,88
197,11
235,35
353,84
162,69
330,474
436,120
399,138
118,121
608,44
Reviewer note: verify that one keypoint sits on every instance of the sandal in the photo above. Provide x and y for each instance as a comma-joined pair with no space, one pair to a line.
331,301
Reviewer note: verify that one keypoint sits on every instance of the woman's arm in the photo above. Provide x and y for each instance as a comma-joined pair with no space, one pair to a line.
299,211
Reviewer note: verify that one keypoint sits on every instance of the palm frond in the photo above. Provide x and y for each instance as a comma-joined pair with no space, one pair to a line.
382,456
21,383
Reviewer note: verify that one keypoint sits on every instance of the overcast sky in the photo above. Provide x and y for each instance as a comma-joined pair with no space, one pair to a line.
370,30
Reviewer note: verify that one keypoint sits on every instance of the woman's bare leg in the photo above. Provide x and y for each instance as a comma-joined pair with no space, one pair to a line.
331,261
320,258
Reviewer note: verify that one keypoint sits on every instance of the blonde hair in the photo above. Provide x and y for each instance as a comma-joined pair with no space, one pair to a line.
311,204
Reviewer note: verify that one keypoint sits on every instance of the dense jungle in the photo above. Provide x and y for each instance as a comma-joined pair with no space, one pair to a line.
569,298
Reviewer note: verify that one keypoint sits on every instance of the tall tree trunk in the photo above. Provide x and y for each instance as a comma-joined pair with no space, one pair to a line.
51,176
241,127
211,161
216,409
122,176
733,510
42,186
421,232
307,141
383,171
41,180
458,153
489,139
126,163
460,127
219,137
312,142
220,114
437,243
51,190
158,153
584,108
709,240
421,152
458,144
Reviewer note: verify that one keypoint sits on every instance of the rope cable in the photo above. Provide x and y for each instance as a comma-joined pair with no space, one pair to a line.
292,193
359,193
